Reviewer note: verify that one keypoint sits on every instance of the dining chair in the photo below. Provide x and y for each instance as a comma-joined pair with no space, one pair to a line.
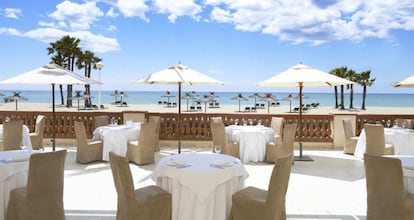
150,202
375,141
277,125
88,151
101,120
386,195
12,135
42,198
36,137
157,121
216,119
142,151
350,138
253,203
218,134
404,122
275,150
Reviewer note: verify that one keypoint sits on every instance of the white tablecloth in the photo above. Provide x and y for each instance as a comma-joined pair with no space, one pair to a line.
401,139
200,191
407,163
26,137
14,168
252,141
115,138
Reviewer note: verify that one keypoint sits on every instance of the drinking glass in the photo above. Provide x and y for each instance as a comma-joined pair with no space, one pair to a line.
389,123
403,124
217,148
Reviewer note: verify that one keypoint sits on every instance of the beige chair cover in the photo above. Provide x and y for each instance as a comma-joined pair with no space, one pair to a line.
37,136
216,119
409,123
218,134
252,203
277,125
386,196
350,138
101,120
87,151
42,199
376,141
150,202
12,135
142,151
157,121
275,151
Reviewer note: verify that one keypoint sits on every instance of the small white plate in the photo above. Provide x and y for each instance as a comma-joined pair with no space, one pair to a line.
175,163
223,163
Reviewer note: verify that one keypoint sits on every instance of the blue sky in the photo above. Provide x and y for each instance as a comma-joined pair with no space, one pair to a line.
240,42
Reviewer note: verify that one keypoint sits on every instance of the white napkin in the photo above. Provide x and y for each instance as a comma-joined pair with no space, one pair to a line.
174,163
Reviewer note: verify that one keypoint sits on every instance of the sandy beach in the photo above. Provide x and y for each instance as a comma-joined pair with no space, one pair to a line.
282,109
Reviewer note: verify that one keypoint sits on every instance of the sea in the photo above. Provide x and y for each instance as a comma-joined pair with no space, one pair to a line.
223,98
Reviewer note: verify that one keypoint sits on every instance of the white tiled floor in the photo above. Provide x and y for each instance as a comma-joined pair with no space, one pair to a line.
330,187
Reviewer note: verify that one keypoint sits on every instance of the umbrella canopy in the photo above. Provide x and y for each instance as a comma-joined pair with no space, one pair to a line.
301,75
240,98
180,75
16,97
255,96
51,74
268,97
405,83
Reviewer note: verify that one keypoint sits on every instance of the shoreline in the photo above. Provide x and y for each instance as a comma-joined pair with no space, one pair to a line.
282,109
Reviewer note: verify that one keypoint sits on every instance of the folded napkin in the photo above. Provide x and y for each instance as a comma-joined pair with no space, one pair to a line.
223,163
410,167
175,163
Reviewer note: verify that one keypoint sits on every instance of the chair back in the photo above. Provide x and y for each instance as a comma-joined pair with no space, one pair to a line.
409,123
216,119
277,125
122,179
101,120
146,139
289,132
45,182
12,134
279,182
348,130
80,133
375,139
40,125
385,188
156,120
218,133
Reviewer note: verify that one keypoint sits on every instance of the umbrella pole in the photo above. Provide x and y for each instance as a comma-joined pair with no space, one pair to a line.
301,157
179,117
53,118
16,104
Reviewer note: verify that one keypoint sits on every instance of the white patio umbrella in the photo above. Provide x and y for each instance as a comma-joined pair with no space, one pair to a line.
405,83
300,76
180,75
51,74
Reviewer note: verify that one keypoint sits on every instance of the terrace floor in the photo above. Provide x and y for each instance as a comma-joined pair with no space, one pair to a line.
330,187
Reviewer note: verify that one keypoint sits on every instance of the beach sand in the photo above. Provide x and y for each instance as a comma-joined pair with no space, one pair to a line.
282,109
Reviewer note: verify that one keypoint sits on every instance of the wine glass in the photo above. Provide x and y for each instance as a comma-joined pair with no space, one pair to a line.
217,148
389,123
404,124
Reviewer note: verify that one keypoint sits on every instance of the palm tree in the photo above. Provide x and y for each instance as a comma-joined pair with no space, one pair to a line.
340,72
87,60
364,79
66,50
352,76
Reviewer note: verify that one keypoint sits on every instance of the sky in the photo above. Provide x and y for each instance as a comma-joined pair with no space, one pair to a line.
239,42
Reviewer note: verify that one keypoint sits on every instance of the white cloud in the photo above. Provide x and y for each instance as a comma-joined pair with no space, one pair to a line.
111,28
12,13
316,22
133,8
9,31
78,16
89,41
111,13
176,9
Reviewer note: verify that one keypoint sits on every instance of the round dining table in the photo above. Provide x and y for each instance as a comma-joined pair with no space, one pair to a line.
201,184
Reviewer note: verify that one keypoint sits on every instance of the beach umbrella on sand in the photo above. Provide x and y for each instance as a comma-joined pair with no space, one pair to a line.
289,98
268,97
205,99
255,96
239,98
179,75
121,95
168,95
16,97
51,74
187,96
301,76
78,96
